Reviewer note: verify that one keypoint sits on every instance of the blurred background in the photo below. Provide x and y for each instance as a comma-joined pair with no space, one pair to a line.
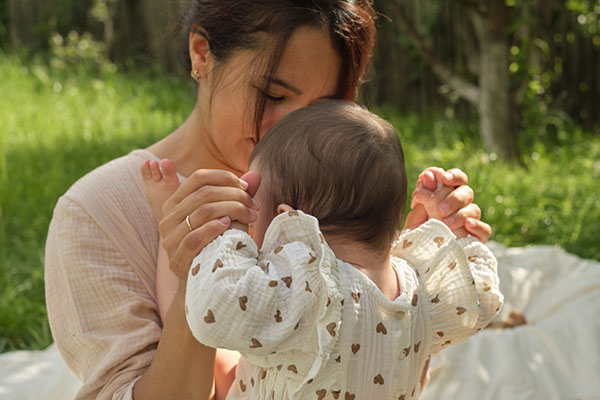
508,91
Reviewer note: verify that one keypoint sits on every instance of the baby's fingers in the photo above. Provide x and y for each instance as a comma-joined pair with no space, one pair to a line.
416,217
431,178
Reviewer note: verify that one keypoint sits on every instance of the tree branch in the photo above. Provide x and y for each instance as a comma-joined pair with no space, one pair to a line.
464,88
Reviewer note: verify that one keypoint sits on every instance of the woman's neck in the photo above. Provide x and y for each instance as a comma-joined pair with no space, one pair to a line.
375,264
191,147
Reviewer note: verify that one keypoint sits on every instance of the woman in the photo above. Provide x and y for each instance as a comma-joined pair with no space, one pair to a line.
254,63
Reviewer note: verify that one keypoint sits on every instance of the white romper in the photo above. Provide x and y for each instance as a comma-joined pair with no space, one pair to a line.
310,326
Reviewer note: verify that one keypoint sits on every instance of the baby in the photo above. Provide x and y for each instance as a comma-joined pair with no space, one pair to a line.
336,305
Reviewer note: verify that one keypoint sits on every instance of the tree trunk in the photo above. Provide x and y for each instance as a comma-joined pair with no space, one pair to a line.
495,106
495,101
21,16
157,15
109,28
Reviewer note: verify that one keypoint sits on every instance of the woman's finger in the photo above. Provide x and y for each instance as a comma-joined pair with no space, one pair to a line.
205,213
204,177
479,229
458,219
455,177
233,209
457,199
202,198
181,259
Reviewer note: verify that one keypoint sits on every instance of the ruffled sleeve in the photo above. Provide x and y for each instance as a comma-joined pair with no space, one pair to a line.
458,281
260,303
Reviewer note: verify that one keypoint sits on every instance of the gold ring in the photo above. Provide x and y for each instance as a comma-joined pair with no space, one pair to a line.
188,223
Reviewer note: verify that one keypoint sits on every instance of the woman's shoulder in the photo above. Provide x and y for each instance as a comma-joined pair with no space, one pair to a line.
110,197
116,183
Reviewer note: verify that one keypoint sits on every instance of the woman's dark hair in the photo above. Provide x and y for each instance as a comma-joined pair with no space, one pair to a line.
340,163
231,25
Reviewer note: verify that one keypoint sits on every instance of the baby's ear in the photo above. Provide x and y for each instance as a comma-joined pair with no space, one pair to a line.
283,208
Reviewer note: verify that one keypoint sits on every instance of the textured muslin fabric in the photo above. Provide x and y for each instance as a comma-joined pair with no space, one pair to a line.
311,326
100,279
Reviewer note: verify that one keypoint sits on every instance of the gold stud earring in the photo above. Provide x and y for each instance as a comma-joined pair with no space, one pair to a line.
194,74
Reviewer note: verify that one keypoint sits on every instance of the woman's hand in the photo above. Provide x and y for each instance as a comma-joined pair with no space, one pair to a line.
445,195
212,199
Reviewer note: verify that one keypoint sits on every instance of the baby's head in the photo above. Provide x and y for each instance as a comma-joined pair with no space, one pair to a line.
341,164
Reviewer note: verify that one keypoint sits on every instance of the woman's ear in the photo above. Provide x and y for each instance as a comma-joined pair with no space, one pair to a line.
200,55
283,208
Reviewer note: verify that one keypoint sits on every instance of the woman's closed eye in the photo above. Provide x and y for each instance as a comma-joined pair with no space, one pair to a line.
275,99
269,96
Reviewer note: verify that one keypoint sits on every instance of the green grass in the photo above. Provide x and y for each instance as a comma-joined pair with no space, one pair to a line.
57,125
553,197
54,128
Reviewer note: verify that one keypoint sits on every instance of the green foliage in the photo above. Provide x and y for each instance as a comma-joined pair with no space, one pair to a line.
543,43
100,10
79,52
588,16
553,198
59,123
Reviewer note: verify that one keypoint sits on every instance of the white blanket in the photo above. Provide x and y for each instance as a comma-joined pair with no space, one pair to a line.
555,356
36,375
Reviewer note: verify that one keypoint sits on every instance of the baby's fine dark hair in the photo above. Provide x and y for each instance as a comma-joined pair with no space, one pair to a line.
340,163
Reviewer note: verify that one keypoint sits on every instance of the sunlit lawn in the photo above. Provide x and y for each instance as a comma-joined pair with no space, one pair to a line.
55,126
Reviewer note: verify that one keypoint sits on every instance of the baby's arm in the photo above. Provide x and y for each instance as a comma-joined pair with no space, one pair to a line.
484,269
237,302
226,362
458,281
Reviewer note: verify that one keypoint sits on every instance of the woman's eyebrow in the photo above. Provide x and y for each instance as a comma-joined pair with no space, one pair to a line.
285,85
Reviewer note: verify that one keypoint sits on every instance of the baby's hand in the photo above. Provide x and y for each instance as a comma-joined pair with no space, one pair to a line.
431,191
160,182
435,191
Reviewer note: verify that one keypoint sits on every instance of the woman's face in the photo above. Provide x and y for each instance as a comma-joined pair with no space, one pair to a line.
308,72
